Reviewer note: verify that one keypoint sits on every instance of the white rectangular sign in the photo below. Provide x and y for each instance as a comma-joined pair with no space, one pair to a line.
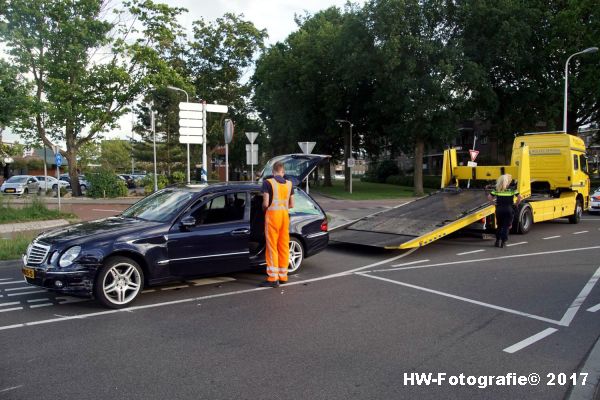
191,123
471,164
184,131
190,115
252,156
216,108
190,139
183,106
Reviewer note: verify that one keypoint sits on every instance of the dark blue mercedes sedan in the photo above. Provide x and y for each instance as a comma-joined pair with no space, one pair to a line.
176,233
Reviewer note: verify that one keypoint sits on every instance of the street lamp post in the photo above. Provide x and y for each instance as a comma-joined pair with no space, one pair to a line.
588,50
187,99
153,126
341,121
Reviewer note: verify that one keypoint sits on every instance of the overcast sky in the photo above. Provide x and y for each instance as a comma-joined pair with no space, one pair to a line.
276,16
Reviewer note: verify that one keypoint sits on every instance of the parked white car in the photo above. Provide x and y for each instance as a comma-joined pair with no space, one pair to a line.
50,182
595,202
21,184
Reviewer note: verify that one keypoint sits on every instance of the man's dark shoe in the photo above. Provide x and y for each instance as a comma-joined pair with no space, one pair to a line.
497,244
283,282
502,244
269,284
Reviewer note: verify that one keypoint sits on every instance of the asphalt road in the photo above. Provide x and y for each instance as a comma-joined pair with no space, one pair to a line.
354,324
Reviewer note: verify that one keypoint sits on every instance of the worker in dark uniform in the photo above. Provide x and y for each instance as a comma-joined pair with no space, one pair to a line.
278,198
505,210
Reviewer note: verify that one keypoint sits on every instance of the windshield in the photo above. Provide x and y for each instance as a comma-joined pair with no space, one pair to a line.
17,179
162,206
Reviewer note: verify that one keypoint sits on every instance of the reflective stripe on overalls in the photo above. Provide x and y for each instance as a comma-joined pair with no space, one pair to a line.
277,231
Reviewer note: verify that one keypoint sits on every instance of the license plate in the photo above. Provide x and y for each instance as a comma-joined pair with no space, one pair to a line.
28,272
9,190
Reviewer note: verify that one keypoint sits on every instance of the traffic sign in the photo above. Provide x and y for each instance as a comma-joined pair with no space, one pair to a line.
471,164
473,154
228,131
190,131
191,123
190,115
183,106
252,156
216,108
190,139
251,136
307,147
351,162
58,159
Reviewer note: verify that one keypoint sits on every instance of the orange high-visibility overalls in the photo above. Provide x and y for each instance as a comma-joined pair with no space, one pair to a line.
277,232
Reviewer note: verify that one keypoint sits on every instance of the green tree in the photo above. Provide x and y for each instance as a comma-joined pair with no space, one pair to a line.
86,68
115,154
13,95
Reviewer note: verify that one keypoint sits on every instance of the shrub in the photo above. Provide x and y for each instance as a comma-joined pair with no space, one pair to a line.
105,183
177,177
148,182
381,171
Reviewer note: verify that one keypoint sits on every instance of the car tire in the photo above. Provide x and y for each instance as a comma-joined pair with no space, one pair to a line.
296,255
119,282
25,192
524,220
576,217
54,188
82,188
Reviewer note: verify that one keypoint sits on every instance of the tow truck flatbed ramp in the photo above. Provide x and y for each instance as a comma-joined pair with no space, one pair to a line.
419,222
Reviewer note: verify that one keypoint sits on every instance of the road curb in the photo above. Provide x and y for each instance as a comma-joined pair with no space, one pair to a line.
592,366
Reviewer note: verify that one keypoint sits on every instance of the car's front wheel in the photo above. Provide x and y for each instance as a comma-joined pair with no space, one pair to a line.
296,255
119,282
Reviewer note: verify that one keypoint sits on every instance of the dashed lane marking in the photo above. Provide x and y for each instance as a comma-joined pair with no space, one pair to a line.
410,263
175,287
594,308
469,252
551,237
12,303
41,305
530,340
11,309
26,293
11,283
580,232
37,300
515,244
574,307
18,288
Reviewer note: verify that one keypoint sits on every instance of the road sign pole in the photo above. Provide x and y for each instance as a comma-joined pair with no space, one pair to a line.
474,141
204,170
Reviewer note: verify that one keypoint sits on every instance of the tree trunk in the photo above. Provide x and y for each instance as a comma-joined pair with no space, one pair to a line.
327,171
73,175
418,174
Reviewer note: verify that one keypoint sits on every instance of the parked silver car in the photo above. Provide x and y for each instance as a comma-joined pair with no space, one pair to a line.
50,182
21,184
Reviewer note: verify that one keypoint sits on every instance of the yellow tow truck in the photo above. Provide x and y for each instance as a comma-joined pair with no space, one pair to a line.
550,171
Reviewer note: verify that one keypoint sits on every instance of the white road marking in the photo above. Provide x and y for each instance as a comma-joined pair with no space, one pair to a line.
192,299
410,263
515,244
98,209
469,252
489,259
37,300
12,303
148,290
26,293
580,232
11,283
41,305
210,281
65,300
594,308
551,237
530,340
19,288
570,314
465,299
5,279
175,287
10,388
11,309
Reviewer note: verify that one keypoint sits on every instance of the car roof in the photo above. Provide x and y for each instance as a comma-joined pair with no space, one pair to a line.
217,187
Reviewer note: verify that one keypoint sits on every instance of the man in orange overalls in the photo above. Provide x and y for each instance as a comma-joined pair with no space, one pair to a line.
278,198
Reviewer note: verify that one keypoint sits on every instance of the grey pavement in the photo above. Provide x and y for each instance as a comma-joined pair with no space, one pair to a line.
355,323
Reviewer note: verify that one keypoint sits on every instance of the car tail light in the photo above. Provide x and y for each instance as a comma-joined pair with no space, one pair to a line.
324,226
596,198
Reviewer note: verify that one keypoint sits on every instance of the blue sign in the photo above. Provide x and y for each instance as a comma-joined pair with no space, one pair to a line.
58,159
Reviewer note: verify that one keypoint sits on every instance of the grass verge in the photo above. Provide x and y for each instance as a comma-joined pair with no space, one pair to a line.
12,248
365,191
36,210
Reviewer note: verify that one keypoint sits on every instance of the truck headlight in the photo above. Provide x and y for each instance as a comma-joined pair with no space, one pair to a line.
68,256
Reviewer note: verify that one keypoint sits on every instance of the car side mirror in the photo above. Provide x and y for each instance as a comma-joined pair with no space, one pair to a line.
188,222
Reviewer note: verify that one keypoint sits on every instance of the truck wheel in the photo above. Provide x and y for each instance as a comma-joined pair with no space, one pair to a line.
576,217
525,220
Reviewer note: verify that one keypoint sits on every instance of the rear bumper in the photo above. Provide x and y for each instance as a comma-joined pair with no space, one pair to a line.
316,242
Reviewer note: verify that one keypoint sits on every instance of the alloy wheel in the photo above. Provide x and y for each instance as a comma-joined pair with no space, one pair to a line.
121,283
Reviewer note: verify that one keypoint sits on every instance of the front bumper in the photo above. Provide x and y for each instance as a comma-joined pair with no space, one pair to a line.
594,206
77,280
13,191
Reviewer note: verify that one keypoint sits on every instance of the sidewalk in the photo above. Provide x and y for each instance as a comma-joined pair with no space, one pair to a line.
32,226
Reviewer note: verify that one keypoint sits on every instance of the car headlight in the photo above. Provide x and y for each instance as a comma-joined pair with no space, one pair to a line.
68,256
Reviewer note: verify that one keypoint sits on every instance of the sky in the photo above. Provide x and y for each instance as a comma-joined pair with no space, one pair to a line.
276,16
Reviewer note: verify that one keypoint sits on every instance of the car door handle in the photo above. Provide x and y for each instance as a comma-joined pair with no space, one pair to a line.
239,232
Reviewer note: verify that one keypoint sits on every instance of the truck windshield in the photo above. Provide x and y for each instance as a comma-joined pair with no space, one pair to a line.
161,206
